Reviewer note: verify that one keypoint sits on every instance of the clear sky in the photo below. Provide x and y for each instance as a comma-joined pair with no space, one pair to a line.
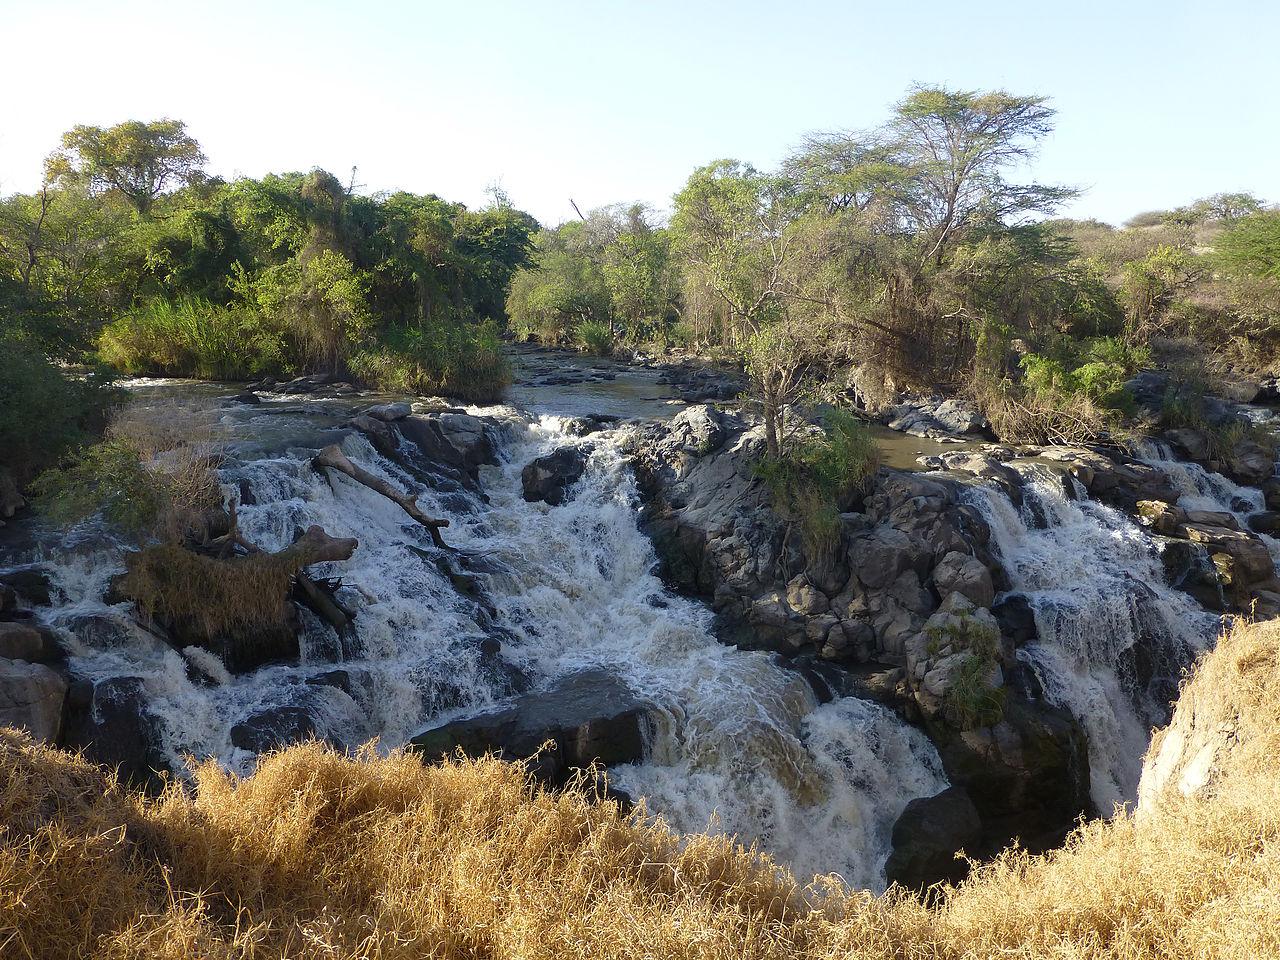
1160,101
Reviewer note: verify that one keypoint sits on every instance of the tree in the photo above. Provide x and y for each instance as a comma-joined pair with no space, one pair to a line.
1251,247
139,160
730,226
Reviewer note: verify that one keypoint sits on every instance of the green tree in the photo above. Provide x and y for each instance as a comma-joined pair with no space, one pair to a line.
1251,247
136,159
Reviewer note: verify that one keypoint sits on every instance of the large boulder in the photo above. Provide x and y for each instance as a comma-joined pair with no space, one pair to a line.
110,721
313,711
968,576
22,641
31,697
31,583
590,717
928,835
548,478
1250,463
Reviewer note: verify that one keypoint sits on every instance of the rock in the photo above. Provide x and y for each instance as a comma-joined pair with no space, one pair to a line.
547,478
878,557
1189,443
273,728
1265,521
114,727
1148,389
388,412
1212,518
449,447
247,397
20,641
1271,491
928,835
1252,559
1161,517
805,599
31,697
11,500
1249,463
1017,619
965,575
31,583
8,600
591,716
1239,391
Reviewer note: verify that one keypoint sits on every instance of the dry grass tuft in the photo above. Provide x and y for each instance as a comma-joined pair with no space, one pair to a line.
323,856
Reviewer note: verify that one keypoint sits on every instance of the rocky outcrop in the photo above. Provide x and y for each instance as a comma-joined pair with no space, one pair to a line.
588,717
548,478
109,720
908,586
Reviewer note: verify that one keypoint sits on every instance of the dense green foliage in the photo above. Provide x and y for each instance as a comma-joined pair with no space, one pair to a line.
820,474
188,275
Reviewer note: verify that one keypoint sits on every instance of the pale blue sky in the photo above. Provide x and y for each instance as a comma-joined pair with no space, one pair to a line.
1160,101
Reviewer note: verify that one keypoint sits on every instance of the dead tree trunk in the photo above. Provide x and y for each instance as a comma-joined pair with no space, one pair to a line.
333,457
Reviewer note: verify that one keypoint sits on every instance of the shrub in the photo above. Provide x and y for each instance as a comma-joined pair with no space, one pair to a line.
458,359
595,337
152,476
815,477
191,337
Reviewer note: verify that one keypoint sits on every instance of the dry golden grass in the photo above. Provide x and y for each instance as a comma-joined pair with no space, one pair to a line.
322,856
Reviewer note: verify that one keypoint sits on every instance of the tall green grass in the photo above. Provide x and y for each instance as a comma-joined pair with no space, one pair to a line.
192,337
456,359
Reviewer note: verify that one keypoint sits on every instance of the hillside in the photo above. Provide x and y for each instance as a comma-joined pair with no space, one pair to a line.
322,856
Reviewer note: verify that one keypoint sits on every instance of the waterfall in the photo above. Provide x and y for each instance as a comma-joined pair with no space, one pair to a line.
739,744
1113,638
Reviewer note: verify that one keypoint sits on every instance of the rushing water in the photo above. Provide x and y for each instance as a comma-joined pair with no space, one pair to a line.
1113,637
738,744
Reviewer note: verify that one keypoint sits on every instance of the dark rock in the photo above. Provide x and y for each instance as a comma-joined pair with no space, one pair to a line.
248,397
115,728
1017,619
31,583
1265,521
8,600
273,728
927,837
548,478
389,412
1249,463
591,716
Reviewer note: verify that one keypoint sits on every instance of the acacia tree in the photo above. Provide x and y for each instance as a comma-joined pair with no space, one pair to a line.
136,159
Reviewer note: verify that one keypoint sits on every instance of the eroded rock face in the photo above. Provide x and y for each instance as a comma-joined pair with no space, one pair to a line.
110,721
591,716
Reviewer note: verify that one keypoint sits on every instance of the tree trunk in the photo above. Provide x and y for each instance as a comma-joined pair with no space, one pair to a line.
333,458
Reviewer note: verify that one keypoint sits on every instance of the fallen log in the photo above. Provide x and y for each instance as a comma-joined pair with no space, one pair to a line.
333,458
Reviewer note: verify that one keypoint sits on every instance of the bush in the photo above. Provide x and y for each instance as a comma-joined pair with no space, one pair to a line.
595,337
815,478
193,338
44,411
458,359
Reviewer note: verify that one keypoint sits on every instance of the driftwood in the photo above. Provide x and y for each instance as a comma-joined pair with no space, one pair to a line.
332,457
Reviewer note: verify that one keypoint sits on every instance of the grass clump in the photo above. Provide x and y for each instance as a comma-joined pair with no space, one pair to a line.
318,856
463,360
594,337
818,475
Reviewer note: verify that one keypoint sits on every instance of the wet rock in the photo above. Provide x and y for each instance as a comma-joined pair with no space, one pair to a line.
1161,517
8,600
1271,492
272,729
113,726
928,835
31,583
935,418
592,422
1189,443
31,697
1017,619
965,575
248,397
592,716
548,478
1252,559
449,447
1265,521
